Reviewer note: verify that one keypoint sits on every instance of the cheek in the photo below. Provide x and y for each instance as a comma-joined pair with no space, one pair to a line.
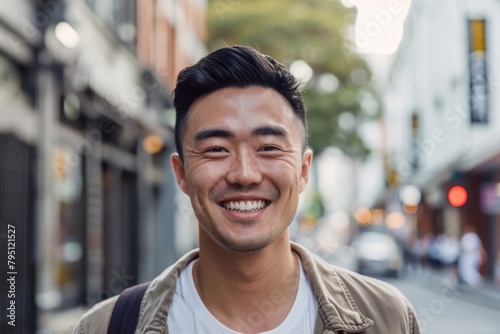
286,175
204,176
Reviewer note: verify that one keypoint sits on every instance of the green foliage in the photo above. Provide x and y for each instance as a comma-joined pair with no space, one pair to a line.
315,208
308,30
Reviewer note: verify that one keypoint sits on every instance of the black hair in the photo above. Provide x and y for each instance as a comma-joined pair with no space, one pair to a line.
237,66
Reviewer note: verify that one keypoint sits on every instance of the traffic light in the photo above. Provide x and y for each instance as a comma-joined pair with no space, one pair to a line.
457,196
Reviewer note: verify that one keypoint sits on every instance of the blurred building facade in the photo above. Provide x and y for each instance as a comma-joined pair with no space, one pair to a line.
85,140
442,107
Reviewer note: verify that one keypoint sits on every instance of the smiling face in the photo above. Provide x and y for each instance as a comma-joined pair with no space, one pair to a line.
244,166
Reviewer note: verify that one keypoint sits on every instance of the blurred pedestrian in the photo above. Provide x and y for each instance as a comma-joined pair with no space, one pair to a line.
425,245
409,253
434,254
242,158
449,252
471,255
419,253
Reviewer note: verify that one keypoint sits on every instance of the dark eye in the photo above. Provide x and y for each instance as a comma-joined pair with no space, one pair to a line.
216,150
269,148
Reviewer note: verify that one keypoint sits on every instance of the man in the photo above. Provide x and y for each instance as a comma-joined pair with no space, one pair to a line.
471,256
241,138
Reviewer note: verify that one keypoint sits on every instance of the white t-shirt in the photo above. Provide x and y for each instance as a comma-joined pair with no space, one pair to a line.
188,314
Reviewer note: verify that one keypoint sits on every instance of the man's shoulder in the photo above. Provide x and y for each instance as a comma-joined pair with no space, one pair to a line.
96,319
355,296
154,304
379,300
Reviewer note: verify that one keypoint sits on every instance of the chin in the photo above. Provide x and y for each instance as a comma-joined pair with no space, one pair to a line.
243,245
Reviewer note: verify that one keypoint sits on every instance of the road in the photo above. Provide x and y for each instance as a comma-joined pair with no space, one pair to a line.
441,309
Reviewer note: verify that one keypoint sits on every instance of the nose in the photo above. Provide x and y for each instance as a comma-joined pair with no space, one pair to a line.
244,171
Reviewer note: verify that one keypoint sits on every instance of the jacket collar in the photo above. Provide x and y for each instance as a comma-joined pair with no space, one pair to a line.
336,307
158,297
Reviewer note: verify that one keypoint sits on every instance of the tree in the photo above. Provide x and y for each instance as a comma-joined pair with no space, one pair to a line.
313,31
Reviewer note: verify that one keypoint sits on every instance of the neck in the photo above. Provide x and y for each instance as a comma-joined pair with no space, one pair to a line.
249,292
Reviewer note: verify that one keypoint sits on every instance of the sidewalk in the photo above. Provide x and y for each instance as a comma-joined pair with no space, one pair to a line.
487,295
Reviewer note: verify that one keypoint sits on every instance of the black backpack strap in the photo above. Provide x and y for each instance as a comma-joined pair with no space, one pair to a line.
126,311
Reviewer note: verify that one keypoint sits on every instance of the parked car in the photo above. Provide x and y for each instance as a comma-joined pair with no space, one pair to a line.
378,254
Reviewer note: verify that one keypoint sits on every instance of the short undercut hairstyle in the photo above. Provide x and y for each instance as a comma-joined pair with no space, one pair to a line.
237,66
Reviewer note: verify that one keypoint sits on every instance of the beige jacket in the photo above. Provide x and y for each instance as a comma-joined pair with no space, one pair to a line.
347,302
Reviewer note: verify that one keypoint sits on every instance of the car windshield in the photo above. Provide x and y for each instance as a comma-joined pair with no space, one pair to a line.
375,245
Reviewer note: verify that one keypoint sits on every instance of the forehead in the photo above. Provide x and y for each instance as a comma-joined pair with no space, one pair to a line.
242,107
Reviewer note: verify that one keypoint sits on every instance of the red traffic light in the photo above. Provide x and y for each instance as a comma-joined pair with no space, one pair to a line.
457,196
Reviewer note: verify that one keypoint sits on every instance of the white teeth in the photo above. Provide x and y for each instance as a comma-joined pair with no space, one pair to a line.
242,206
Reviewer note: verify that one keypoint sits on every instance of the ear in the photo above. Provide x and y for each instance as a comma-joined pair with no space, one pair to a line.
180,174
306,166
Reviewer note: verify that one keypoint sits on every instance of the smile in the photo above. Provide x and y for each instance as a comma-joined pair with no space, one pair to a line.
245,206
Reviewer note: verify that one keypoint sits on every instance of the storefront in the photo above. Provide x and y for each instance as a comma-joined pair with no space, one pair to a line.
18,182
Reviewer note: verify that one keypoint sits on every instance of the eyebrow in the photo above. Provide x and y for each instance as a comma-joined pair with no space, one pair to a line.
270,131
212,133
260,131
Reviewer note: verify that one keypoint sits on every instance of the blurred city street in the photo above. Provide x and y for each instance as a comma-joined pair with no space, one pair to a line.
441,304
443,309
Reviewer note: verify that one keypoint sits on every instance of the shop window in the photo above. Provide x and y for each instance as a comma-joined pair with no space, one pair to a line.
15,82
120,228
69,250
120,17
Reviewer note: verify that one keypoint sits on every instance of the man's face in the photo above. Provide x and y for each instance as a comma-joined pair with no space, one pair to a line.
243,166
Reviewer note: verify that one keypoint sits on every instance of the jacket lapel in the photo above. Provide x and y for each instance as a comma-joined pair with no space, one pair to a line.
337,311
